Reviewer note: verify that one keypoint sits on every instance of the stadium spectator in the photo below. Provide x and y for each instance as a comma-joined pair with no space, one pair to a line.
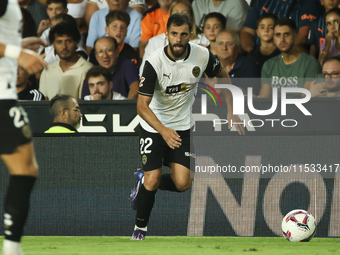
28,24
76,8
53,7
116,27
50,54
228,48
97,24
156,42
318,29
24,89
330,87
124,72
214,23
94,5
154,23
37,10
331,45
66,75
292,66
65,113
100,84
302,12
265,31
234,11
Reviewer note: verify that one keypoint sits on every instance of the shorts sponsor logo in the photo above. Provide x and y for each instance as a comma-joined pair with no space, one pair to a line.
189,154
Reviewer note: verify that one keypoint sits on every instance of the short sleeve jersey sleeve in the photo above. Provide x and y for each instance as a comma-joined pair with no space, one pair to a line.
214,66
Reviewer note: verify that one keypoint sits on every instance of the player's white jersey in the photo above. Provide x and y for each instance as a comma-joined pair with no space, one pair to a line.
173,94
10,33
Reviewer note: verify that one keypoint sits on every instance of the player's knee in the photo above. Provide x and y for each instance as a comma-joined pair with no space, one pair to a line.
151,182
183,186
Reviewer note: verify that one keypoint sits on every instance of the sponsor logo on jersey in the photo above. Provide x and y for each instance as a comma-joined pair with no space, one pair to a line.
196,71
167,75
284,81
309,16
141,82
184,87
216,63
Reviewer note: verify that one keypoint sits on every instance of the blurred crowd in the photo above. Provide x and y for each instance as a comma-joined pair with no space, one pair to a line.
97,48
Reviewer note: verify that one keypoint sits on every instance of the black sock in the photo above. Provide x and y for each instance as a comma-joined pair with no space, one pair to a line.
145,201
167,183
17,205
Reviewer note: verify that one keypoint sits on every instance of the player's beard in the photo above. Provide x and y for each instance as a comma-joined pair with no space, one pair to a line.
178,54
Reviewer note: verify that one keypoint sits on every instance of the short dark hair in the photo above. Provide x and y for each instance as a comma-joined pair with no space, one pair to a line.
336,58
58,103
65,28
108,37
96,71
63,17
117,15
267,16
286,22
179,20
219,16
63,2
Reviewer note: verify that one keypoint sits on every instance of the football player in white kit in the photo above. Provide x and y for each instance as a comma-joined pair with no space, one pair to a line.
164,105
16,147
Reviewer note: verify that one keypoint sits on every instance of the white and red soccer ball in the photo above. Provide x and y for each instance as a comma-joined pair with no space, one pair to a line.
298,226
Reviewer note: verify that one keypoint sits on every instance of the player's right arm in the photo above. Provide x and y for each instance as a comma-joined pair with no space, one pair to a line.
27,59
146,90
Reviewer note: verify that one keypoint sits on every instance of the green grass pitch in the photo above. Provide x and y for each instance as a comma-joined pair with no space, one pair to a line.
152,245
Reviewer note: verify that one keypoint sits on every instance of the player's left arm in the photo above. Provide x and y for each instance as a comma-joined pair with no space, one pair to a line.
216,69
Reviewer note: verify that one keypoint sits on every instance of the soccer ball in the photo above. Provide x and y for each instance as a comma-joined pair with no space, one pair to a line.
298,226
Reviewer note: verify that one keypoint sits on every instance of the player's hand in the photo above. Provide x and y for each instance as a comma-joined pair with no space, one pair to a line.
317,89
235,119
171,137
33,42
44,24
31,61
96,96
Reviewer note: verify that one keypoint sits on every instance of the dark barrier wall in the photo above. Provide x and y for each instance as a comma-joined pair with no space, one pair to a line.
120,117
85,182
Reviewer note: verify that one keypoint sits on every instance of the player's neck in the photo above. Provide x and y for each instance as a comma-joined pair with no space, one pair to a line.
181,57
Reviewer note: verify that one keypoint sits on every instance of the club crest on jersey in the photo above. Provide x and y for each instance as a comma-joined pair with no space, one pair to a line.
196,71
144,159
